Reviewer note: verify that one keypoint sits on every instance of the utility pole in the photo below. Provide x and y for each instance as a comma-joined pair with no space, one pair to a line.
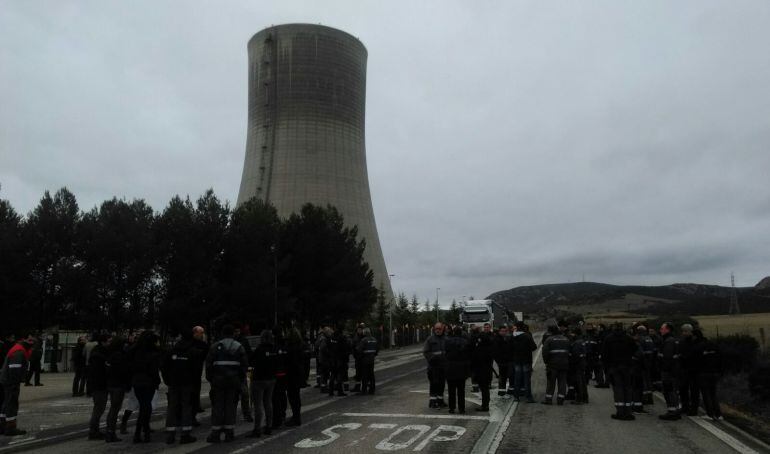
437,306
390,313
734,307
275,284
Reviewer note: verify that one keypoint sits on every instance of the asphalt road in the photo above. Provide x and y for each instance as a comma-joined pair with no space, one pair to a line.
397,418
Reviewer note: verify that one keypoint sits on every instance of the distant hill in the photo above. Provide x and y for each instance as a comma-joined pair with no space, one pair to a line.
593,298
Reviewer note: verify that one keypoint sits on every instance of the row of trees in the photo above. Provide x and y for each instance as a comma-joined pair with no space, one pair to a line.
122,266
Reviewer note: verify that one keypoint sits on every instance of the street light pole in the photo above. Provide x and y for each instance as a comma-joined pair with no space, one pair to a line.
437,306
390,314
275,284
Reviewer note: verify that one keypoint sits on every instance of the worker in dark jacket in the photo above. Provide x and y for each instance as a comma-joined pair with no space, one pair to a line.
145,380
637,371
178,371
12,374
617,354
649,356
6,343
339,349
367,350
434,352
79,366
578,364
263,368
357,336
655,379
668,357
97,383
281,378
458,363
240,337
593,343
502,353
481,362
118,383
226,366
689,393
35,364
323,359
295,375
708,358
199,359
522,346
556,358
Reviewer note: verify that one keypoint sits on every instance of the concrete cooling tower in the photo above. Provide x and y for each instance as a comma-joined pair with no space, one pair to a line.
305,141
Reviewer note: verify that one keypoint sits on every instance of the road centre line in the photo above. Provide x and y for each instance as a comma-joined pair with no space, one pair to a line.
490,439
416,416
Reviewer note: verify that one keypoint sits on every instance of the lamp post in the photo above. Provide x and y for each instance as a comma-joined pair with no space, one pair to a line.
437,306
275,284
390,315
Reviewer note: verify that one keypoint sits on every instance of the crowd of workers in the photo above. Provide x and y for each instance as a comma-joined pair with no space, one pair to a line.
129,370
267,378
635,361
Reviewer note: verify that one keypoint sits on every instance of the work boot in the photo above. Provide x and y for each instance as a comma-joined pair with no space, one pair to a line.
671,416
357,388
170,437
124,422
229,435
110,437
95,435
501,392
12,431
187,438
547,402
214,436
559,401
294,422
341,394
441,403
256,433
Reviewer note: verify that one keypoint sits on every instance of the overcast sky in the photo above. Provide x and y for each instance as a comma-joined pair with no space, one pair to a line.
508,143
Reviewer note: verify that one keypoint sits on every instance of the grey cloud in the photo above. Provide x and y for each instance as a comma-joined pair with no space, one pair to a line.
508,142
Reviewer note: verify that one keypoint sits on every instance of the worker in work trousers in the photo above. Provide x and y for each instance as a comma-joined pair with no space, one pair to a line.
669,372
434,352
178,371
11,375
226,366
367,349
618,352
556,357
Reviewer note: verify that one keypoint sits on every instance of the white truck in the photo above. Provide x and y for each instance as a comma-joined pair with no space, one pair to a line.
480,312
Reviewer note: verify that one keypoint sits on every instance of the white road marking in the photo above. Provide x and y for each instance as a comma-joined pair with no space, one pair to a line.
724,436
331,435
416,416
387,445
382,426
434,436
490,439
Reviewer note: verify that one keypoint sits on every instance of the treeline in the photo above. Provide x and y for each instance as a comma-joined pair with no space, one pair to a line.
121,265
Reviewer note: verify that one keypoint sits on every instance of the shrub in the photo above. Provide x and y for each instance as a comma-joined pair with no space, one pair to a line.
739,352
